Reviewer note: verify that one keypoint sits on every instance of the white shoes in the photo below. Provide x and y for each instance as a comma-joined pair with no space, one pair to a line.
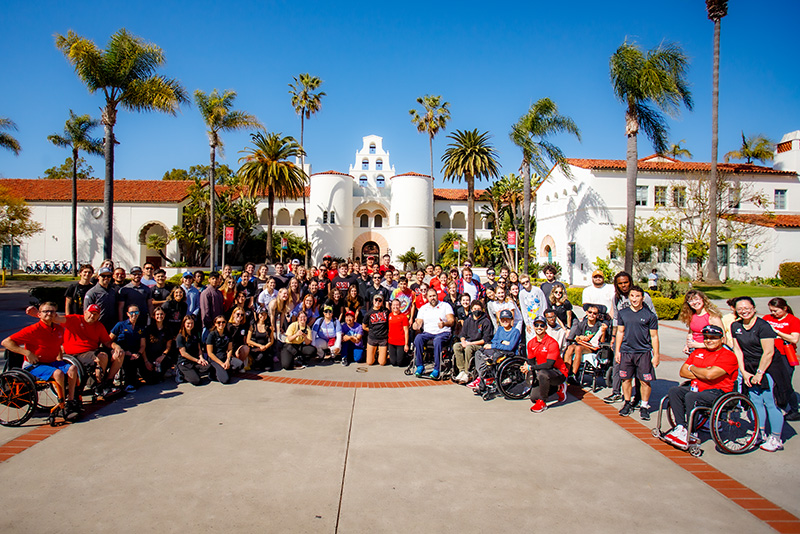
772,444
461,378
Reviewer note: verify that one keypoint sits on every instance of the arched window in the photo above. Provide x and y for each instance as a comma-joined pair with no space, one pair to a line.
362,181
459,220
364,164
378,221
283,218
297,218
442,220
363,221
380,181
379,165
333,217
324,217
372,148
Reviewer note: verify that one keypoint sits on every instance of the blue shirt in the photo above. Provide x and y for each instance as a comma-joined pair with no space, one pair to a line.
192,300
127,336
506,339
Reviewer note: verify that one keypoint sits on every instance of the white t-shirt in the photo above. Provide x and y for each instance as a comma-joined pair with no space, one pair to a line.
471,290
431,316
533,304
265,297
600,295
494,308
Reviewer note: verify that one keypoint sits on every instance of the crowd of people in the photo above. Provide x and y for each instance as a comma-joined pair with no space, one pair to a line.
133,328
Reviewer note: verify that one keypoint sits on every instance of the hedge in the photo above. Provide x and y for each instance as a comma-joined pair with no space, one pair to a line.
667,309
789,273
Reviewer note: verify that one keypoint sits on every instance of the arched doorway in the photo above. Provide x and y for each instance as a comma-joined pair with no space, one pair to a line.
370,248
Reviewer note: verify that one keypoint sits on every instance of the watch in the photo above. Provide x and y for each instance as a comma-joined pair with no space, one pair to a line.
759,372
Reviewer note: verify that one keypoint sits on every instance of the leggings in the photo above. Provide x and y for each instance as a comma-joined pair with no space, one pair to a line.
292,351
190,371
397,355
549,380
766,408
223,376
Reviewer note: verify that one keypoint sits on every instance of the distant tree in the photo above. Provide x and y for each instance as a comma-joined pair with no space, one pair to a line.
469,157
64,171
306,103
648,84
677,151
267,169
176,174
125,72
215,108
223,174
433,118
15,219
77,136
7,140
754,147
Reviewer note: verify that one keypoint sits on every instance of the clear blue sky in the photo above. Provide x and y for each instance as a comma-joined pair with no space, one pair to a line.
489,60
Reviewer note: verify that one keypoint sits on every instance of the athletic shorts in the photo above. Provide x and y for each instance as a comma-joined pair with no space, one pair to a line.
638,364
44,371
378,342
86,358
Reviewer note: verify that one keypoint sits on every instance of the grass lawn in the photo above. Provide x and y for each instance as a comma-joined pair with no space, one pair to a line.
738,289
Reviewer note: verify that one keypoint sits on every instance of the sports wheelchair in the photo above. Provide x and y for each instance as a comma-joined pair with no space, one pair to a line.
731,420
445,359
21,393
597,364
509,379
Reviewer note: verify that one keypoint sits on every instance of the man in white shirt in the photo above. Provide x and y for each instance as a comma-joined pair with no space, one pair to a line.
433,321
599,292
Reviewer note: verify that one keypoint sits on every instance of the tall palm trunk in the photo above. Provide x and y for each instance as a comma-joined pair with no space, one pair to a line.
74,212
632,167
713,270
109,117
212,237
433,209
270,209
470,217
526,210
307,254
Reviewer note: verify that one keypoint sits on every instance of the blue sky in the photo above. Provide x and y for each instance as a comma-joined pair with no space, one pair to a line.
489,60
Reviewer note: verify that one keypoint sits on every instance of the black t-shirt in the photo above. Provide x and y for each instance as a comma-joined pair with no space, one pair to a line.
219,343
636,337
175,312
378,323
750,341
561,310
160,293
547,287
249,289
342,283
76,291
238,334
190,344
280,281
337,308
156,340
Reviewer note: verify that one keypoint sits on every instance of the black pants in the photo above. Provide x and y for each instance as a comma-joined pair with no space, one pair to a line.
191,371
291,352
397,355
682,400
549,380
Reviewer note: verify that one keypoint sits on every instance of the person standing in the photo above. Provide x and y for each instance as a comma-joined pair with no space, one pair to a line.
136,293
104,297
599,292
637,351
532,303
191,293
787,328
76,292
652,280
211,301
550,281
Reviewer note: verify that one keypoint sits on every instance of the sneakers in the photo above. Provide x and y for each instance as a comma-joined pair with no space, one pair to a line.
130,388
562,392
573,381
475,383
419,371
461,378
678,436
72,410
644,413
613,398
435,374
345,361
298,364
792,416
627,409
539,406
772,444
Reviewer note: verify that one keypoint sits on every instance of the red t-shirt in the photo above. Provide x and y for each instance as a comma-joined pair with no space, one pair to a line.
546,349
719,358
42,340
420,300
788,324
396,324
80,336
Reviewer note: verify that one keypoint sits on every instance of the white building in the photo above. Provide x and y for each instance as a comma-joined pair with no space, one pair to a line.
577,217
370,210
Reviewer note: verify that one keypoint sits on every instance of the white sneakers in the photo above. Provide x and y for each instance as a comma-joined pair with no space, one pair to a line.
772,444
461,378
678,436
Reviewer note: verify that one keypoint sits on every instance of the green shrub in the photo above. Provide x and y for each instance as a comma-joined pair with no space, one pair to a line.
667,309
49,294
789,273
575,296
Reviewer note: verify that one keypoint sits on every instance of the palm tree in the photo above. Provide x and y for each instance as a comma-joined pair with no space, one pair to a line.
469,157
76,136
530,133
7,140
218,116
267,169
716,10
677,151
647,84
757,147
306,103
126,74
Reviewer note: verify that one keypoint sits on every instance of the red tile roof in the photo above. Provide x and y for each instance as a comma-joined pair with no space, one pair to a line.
768,220
41,190
337,173
454,194
667,164
410,174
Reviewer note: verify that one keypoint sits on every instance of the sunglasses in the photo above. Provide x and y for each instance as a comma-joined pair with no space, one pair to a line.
219,322
133,313
711,337
47,312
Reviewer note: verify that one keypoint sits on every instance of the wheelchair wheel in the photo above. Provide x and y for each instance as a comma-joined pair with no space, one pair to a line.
609,376
734,423
17,398
511,381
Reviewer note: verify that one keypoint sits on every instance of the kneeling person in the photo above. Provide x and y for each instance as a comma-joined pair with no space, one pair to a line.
712,371
544,358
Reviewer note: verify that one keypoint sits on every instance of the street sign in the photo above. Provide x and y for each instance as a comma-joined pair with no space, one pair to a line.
229,235
512,239
284,243
456,246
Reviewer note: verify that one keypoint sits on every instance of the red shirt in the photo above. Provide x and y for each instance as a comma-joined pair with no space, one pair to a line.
718,358
383,268
80,336
546,349
42,340
788,324
396,324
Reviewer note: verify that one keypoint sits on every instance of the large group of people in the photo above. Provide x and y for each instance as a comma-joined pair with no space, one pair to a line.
133,328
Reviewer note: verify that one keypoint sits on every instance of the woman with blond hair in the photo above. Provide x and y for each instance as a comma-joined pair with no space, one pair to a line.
698,312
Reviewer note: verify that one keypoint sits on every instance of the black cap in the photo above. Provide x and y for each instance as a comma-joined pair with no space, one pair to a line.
712,330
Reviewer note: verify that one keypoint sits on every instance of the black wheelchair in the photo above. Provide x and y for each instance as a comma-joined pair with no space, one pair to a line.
445,359
598,364
732,422
509,379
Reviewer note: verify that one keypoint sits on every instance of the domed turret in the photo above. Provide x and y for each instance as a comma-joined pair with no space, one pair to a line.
412,214
330,210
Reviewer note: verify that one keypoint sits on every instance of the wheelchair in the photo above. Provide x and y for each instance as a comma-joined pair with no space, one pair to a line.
732,422
598,364
445,359
22,394
509,380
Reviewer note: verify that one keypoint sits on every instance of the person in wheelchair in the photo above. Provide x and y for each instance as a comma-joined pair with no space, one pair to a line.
476,333
433,321
585,338
712,371
504,343
544,358
42,351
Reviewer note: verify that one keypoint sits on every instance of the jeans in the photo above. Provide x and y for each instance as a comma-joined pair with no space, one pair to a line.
439,341
223,376
764,401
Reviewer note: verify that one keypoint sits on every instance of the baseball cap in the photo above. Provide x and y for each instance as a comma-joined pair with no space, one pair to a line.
712,330
103,271
539,320
295,262
327,309
597,272
350,313
187,274
93,308
136,270
506,314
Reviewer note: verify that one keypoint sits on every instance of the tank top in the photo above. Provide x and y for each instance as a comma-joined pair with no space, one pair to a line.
697,324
